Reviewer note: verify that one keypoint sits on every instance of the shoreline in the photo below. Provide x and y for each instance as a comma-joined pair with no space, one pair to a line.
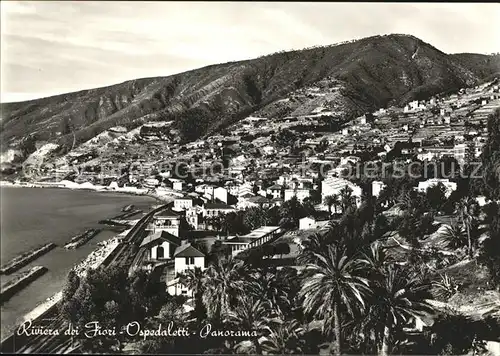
91,188
93,260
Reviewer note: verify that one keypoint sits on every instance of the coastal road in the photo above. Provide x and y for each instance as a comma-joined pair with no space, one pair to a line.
122,257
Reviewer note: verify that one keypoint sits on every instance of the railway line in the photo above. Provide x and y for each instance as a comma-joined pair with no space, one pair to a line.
122,257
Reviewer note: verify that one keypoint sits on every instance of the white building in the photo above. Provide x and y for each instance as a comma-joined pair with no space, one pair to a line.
459,152
178,185
450,186
221,194
216,209
274,191
377,187
187,257
194,216
183,203
269,150
307,223
301,194
160,245
257,237
166,220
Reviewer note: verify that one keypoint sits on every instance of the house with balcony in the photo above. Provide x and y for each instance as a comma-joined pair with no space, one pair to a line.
166,220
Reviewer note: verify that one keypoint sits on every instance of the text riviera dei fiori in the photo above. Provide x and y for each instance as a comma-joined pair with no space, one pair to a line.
133,329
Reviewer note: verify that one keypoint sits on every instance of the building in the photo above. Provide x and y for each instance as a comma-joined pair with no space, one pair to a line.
307,223
220,193
178,185
450,186
334,185
187,257
459,152
377,187
301,194
253,201
183,203
166,220
160,245
194,216
257,237
216,209
274,191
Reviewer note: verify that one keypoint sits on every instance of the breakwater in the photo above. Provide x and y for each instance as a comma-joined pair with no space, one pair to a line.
81,239
16,284
25,258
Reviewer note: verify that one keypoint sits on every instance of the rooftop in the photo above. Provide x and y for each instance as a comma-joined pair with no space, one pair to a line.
260,232
187,250
218,206
167,213
160,236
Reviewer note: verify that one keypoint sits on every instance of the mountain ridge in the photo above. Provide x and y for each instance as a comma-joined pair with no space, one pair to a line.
367,73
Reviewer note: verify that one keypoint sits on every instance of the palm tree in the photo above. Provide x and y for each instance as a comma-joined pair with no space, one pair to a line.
283,338
332,200
192,279
250,314
222,281
334,282
468,210
314,244
347,200
455,235
272,287
445,287
397,296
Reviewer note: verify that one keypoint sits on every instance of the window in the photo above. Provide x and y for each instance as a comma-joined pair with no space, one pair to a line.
160,252
189,260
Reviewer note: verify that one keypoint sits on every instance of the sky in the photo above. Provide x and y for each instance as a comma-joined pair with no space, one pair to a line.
51,47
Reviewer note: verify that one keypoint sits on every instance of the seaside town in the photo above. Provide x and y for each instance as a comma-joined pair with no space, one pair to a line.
292,234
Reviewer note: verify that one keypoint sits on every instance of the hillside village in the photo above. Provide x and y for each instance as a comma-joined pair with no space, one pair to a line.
267,188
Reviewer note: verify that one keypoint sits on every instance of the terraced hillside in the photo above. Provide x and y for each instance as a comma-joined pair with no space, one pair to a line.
362,75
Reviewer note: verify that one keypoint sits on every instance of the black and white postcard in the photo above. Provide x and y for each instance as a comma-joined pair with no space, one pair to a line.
251,178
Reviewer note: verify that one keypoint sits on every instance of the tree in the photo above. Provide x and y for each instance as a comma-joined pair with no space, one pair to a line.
290,212
332,200
455,235
436,196
193,280
112,298
333,283
347,200
490,251
255,217
221,285
398,296
468,210
283,338
250,314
